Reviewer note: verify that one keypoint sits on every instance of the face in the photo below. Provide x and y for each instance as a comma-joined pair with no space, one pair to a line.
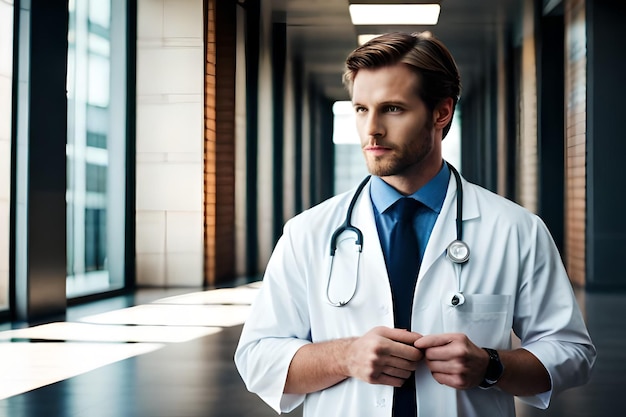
394,125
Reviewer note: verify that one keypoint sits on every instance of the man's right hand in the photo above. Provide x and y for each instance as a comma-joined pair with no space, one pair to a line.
383,356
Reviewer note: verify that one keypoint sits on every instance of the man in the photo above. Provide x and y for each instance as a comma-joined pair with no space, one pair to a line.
351,336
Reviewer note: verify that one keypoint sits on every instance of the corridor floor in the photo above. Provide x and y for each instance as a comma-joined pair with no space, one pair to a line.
168,353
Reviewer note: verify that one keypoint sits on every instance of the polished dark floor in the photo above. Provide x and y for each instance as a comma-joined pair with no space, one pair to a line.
198,377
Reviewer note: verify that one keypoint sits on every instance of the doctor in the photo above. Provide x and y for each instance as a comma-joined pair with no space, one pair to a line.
329,336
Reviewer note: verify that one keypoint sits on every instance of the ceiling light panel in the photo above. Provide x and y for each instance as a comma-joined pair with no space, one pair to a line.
394,14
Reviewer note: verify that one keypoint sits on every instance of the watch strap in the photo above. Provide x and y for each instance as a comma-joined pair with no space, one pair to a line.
494,369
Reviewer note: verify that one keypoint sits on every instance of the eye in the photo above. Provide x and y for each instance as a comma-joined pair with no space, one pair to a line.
392,109
359,109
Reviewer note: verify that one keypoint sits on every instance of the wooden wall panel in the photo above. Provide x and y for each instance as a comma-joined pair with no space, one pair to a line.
527,145
219,159
575,139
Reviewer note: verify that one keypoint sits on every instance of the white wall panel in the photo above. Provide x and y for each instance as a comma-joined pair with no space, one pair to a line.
171,127
150,232
183,233
169,70
184,269
181,19
170,183
150,269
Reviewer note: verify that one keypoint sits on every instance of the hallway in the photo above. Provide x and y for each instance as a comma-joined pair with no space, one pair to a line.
187,368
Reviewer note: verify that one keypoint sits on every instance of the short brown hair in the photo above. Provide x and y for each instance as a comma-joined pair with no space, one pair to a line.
425,55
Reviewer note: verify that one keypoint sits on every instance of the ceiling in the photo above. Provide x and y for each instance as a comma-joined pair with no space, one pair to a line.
321,32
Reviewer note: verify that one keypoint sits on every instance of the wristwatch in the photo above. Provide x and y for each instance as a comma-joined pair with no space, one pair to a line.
494,369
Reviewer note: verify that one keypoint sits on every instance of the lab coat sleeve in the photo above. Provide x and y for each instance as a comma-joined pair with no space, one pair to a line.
277,326
548,320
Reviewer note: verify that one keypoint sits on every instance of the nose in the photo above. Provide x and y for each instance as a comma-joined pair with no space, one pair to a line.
373,125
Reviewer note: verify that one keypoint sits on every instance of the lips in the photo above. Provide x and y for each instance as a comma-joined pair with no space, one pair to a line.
376,150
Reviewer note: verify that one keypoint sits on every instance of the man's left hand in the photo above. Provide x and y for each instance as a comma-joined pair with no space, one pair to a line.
453,359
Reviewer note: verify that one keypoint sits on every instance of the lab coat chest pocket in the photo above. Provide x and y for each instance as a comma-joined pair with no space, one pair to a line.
483,318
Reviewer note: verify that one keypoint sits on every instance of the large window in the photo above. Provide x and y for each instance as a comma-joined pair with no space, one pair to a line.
96,146
6,77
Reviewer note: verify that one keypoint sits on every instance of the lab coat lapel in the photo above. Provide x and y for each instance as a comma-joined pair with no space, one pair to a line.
433,398
444,231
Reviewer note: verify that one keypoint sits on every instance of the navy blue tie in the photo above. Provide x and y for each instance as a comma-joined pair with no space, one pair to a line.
402,266
403,260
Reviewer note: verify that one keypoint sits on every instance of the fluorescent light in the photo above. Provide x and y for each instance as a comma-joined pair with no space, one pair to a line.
394,14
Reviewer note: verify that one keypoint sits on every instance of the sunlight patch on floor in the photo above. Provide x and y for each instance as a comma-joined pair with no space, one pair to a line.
31,357
239,295
84,332
26,366
174,315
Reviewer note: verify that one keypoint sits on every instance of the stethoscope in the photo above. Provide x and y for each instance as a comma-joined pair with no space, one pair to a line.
457,251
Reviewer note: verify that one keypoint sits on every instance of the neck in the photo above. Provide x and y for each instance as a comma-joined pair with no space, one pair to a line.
414,178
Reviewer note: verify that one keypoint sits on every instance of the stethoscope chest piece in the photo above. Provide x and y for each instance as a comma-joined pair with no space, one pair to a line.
458,252
457,299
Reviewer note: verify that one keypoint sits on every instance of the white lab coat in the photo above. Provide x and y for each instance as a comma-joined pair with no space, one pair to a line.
514,280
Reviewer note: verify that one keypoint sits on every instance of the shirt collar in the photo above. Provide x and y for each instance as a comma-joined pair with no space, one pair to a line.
431,194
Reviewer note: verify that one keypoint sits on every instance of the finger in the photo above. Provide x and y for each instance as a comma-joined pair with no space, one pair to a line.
400,335
393,381
397,372
441,353
453,380
400,363
444,379
444,366
434,340
403,351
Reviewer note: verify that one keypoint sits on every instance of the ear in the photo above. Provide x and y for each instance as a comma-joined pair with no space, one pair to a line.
443,113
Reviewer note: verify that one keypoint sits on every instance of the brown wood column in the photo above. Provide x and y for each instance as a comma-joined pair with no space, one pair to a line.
527,148
219,140
575,139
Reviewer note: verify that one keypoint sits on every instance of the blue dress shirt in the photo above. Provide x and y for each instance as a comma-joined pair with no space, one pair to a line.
431,195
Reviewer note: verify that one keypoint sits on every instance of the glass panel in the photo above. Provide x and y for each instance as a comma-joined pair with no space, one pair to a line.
6,77
350,166
95,147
